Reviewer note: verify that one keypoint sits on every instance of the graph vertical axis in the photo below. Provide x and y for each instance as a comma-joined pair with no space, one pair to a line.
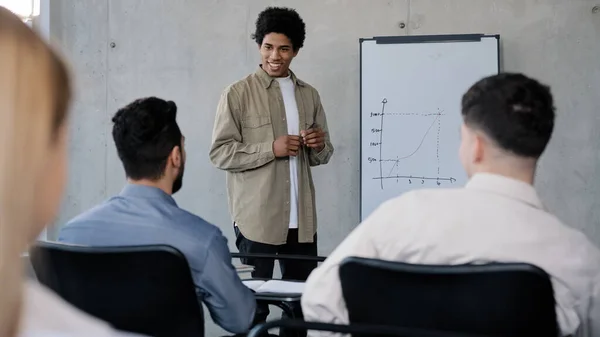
439,125
383,102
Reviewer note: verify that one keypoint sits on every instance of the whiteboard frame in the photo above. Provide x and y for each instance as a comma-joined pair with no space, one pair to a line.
446,38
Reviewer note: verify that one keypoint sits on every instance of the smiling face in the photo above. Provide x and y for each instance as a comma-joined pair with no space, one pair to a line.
277,54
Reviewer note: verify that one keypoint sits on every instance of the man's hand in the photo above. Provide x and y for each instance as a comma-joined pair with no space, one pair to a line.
314,138
285,146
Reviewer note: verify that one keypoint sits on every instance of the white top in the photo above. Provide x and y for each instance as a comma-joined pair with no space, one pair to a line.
45,314
493,218
293,126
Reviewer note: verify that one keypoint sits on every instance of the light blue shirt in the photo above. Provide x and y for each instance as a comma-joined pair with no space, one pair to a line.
143,215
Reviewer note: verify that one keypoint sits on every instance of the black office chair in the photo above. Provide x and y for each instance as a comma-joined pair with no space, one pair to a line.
142,289
496,299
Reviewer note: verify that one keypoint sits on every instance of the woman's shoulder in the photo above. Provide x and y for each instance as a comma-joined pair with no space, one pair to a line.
45,314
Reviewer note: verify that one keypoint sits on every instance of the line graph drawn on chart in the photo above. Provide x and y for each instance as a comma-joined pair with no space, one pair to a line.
413,159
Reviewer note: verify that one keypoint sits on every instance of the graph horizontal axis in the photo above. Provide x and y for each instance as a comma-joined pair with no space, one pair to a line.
450,179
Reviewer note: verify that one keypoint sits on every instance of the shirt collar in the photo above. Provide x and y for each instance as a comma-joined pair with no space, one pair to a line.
267,80
505,186
143,191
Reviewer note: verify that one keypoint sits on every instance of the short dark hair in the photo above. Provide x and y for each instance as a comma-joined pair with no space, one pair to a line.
515,111
145,133
280,20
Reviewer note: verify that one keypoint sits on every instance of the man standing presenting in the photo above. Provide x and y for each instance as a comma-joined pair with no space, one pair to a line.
270,128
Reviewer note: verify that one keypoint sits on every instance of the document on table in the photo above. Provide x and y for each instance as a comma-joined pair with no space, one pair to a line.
275,286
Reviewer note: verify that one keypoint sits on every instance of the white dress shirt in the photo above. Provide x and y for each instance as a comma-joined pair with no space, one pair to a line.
492,219
45,314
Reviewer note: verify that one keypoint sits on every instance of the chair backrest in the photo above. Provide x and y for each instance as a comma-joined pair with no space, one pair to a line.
142,289
496,299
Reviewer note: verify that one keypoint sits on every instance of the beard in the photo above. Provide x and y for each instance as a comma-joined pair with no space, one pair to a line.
178,183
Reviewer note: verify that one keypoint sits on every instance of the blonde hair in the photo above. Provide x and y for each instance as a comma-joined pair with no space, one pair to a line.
34,97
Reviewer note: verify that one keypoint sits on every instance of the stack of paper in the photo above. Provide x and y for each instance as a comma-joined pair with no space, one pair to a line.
275,286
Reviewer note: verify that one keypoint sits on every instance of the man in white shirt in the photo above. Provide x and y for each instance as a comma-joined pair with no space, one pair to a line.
507,122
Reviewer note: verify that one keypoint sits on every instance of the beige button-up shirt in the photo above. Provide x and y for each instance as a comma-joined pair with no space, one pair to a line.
250,116
493,218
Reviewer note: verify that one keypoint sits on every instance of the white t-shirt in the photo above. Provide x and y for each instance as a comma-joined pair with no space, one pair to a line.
293,125
45,314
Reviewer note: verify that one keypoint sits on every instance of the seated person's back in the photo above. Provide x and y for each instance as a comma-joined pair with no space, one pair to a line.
151,147
497,217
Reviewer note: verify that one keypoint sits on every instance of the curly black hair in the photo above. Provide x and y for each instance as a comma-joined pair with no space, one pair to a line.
145,132
280,20
515,111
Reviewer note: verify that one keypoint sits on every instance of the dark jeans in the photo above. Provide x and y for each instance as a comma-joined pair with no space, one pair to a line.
263,268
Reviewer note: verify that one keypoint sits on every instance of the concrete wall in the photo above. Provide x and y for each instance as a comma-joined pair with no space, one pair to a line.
188,51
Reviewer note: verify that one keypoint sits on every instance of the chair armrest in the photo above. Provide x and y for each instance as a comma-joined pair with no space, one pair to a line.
260,330
278,256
